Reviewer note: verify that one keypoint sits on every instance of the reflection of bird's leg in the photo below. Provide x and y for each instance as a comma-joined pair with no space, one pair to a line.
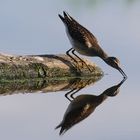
66,95
72,92
75,92
74,85
76,89
82,61
80,89
68,53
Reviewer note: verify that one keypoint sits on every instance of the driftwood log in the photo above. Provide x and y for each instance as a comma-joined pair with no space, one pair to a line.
43,66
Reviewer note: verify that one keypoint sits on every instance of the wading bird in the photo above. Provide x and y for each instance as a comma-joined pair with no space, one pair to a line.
85,43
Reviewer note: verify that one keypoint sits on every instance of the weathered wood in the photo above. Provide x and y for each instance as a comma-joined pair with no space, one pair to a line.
43,66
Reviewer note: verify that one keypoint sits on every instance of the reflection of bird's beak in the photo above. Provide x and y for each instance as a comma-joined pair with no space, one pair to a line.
121,82
122,72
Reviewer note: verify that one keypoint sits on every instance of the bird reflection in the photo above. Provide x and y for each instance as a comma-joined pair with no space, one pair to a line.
78,85
83,105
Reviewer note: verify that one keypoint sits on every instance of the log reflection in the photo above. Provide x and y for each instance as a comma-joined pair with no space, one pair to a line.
45,85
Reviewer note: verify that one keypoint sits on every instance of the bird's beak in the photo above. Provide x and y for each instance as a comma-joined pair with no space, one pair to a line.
122,72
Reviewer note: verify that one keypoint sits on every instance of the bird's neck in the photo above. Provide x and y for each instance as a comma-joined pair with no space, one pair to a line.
105,58
103,55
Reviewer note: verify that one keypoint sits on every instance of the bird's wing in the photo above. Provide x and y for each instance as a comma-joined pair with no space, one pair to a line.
78,32
82,35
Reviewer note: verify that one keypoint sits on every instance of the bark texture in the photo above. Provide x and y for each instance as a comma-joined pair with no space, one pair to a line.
44,66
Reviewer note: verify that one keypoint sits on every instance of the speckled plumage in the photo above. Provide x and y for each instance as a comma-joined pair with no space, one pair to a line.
82,40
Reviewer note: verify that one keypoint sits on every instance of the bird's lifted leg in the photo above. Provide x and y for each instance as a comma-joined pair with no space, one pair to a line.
76,65
82,61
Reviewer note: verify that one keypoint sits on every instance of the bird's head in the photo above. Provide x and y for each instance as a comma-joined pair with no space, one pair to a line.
115,63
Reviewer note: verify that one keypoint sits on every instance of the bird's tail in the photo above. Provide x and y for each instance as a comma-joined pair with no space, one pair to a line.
58,126
66,17
62,18
62,130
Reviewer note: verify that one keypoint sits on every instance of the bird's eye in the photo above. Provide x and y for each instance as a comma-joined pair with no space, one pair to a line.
117,61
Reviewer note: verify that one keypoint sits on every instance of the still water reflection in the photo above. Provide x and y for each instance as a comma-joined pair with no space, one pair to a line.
80,107
83,105
46,85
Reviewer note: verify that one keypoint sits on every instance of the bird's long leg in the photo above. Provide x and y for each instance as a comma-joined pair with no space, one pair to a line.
68,53
82,61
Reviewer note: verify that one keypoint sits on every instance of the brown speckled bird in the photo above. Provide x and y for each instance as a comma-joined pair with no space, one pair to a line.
85,43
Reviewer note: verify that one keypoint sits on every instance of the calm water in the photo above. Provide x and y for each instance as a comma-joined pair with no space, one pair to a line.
33,27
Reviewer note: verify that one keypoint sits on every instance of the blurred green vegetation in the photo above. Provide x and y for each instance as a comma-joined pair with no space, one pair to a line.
94,3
